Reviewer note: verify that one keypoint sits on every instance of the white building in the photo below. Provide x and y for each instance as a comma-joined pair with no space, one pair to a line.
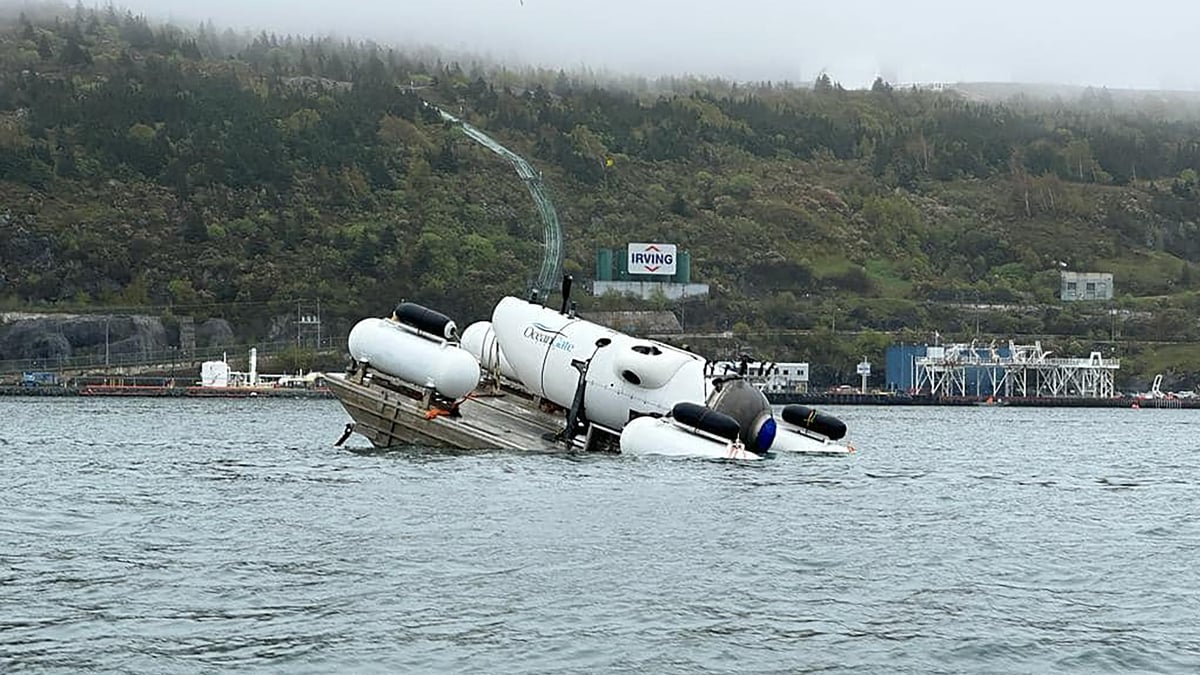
770,377
1086,286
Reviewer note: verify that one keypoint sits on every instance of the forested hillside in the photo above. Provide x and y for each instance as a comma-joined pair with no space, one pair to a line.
221,174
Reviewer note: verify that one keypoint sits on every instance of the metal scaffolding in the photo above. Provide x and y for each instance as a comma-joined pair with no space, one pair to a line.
1025,371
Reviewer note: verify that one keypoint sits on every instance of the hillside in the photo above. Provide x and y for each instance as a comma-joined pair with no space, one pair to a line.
226,175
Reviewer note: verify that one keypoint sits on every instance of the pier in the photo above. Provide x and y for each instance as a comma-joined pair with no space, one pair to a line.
1020,371
815,399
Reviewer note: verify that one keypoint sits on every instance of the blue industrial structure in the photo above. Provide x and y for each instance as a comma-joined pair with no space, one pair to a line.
900,364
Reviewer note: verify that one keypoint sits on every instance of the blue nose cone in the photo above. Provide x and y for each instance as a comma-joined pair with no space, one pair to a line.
766,435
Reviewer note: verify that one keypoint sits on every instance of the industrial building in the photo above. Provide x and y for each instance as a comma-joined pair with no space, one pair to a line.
1086,286
1025,371
773,377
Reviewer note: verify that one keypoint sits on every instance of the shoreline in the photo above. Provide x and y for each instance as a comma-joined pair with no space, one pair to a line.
775,399
128,391
981,401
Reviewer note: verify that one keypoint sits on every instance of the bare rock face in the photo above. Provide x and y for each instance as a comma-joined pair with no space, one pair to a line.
46,346
214,333
53,337
139,335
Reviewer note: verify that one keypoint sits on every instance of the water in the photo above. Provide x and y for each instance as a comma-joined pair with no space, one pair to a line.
166,535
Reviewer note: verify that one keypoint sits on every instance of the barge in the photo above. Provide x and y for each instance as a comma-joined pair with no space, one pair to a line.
538,379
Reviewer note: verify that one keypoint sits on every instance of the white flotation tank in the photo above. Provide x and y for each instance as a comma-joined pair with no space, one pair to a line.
796,442
480,340
406,353
692,430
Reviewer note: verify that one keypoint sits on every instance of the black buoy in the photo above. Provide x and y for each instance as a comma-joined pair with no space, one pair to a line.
814,420
706,419
426,320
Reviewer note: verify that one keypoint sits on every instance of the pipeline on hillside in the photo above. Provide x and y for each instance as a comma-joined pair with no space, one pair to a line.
552,239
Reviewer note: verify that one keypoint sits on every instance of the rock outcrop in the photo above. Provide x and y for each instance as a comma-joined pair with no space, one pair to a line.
214,333
61,336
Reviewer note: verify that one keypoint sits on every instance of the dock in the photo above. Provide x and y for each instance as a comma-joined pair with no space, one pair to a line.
163,391
827,399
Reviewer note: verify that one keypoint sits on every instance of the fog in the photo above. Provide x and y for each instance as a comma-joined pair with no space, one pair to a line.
1142,45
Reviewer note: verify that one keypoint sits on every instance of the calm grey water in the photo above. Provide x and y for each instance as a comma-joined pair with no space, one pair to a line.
182,536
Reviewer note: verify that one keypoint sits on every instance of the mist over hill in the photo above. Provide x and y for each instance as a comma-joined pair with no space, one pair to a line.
224,174
1099,44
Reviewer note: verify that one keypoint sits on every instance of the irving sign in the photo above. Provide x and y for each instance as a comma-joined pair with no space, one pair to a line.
652,259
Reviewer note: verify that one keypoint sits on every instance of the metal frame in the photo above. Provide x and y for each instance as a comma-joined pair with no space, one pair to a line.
1027,372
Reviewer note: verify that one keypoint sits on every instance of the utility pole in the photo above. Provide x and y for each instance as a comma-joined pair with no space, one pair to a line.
106,320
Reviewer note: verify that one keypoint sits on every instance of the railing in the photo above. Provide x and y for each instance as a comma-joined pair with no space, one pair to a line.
1009,362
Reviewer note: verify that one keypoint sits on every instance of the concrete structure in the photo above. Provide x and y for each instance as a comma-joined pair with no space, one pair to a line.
1086,286
648,290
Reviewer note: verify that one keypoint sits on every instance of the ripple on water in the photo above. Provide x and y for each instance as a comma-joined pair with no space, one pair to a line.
228,534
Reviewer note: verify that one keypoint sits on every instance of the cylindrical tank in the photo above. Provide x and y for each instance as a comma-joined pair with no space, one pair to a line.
400,351
706,419
625,376
683,268
426,320
604,264
662,436
814,420
480,340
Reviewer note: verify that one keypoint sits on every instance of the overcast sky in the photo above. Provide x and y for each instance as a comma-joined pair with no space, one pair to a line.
1151,44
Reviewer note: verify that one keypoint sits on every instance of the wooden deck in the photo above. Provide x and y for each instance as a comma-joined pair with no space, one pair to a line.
390,413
